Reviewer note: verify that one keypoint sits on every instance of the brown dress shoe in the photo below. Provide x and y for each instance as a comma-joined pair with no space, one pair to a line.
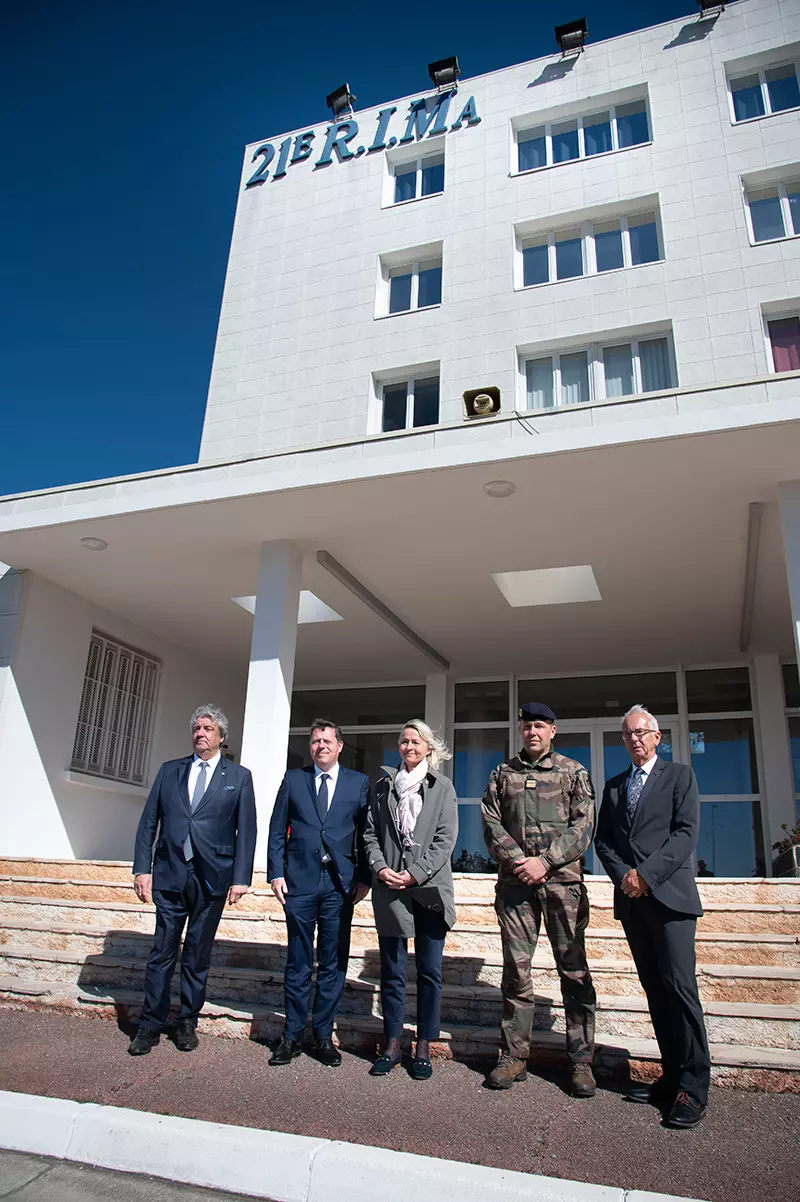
583,1082
507,1070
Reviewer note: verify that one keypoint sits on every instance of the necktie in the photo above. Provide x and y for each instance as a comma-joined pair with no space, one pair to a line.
197,796
635,787
323,794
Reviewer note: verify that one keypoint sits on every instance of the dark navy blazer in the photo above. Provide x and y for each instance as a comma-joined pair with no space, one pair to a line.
299,836
223,827
661,839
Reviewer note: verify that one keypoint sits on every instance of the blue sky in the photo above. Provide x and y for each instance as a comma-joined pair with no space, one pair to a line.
122,127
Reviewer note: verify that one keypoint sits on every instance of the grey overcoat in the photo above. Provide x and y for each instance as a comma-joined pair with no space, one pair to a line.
428,862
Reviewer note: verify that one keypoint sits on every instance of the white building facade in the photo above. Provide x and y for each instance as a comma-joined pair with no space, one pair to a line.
607,245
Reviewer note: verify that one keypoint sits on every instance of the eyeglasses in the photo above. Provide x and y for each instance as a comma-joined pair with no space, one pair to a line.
640,734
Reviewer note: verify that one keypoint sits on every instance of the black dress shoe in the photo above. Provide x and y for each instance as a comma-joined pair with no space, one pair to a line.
685,1113
326,1052
286,1051
143,1041
185,1036
384,1065
421,1069
656,1093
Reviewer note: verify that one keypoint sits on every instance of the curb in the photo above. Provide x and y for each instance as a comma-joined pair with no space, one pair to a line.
269,1164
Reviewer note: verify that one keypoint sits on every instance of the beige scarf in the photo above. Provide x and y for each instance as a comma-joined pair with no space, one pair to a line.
409,799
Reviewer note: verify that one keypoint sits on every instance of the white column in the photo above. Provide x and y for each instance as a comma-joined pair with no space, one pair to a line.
439,698
265,734
777,780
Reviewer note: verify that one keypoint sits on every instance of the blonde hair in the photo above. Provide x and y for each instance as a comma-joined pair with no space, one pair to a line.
438,751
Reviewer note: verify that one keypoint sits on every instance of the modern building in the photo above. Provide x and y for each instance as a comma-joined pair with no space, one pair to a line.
505,405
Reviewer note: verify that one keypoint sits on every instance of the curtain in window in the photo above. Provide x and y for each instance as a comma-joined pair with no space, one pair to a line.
618,369
785,338
574,379
655,363
539,383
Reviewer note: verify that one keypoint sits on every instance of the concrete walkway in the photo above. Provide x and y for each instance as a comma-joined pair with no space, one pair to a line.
746,1149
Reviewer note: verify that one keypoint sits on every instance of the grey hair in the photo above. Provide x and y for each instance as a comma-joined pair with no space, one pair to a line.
641,709
217,716
438,751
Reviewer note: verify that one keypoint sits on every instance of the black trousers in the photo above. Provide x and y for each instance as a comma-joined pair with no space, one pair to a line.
662,943
195,904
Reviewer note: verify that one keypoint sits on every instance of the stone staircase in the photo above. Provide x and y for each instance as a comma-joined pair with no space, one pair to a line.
73,937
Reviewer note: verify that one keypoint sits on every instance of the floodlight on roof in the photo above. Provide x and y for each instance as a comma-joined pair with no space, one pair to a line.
572,36
341,100
444,72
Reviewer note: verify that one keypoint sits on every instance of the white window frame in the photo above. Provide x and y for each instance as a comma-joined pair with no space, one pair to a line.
408,262
521,135
761,72
113,733
416,164
410,380
597,383
783,196
768,314
588,252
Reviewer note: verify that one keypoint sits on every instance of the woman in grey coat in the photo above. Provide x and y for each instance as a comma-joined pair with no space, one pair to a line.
411,830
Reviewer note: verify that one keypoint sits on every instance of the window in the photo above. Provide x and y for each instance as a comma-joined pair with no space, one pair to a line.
791,687
573,377
410,283
764,92
410,403
115,718
590,249
614,128
419,177
784,337
774,212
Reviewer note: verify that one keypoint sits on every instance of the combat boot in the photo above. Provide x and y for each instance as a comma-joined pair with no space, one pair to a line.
507,1070
583,1082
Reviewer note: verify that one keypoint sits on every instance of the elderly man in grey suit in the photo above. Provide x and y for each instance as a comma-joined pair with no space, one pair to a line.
646,840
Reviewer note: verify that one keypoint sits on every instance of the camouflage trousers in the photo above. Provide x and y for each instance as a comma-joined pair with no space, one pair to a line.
564,908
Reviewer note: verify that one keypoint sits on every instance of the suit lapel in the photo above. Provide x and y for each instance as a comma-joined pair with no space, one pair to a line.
183,782
311,781
215,784
658,767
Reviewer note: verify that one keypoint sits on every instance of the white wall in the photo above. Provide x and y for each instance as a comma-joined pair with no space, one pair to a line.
298,339
42,813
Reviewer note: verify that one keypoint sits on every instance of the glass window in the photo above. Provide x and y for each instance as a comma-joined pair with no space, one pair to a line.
475,754
782,88
405,185
632,127
618,370
723,755
784,336
597,134
482,701
644,239
532,150
432,176
656,364
748,100
395,406
604,696
569,256
535,269
791,686
766,215
793,196
608,246
470,853
715,690
539,383
565,141
574,378
400,292
426,401
794,742
727,842
430,286
379,706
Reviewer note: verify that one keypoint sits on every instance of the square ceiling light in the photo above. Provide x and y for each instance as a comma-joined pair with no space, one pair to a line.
548,586
311,608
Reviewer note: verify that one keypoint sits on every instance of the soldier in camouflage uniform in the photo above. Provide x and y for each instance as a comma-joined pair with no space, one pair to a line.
538,820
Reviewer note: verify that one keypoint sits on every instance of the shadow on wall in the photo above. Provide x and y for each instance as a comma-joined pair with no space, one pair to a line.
553,71
695,31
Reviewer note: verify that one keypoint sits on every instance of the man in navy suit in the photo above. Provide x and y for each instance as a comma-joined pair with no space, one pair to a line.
646,839
204,810
318,869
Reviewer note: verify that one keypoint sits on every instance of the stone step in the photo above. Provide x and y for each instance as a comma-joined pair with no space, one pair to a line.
735,1065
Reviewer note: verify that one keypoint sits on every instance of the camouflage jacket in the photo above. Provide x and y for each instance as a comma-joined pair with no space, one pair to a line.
539,809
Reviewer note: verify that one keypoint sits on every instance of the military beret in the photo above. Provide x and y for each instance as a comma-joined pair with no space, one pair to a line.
535,709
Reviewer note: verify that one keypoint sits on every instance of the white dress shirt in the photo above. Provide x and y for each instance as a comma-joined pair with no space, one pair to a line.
646,768
194,771
332,774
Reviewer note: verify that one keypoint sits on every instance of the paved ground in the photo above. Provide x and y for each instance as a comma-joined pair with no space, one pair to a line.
37,1179
745,1150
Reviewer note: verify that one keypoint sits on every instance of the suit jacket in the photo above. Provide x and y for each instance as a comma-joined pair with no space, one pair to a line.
661,839
299,834
435,834
223,827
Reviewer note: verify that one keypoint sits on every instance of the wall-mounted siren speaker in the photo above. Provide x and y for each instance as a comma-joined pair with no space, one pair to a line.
481,402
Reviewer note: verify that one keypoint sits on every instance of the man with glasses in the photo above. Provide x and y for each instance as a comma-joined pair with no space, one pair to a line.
646,839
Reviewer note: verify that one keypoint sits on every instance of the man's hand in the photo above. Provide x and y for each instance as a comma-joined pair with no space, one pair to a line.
143,884
395,880
634,885
358,893
532,870
279,889
235,892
